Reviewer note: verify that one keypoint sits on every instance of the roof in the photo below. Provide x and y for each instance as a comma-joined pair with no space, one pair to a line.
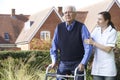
39,18
93,11
11,25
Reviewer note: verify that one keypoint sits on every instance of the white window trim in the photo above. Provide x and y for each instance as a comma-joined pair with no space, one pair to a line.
44,35
6,36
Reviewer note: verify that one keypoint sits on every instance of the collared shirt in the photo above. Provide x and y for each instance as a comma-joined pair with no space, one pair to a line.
104,63
70,27
85,35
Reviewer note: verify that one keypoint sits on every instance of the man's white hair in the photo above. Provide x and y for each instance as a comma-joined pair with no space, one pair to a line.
72,7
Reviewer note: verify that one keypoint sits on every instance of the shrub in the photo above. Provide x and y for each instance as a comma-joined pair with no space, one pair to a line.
117,58
38,44
23,65
28,65
17,69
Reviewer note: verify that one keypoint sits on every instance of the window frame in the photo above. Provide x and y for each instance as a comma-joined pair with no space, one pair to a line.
45,35
6,36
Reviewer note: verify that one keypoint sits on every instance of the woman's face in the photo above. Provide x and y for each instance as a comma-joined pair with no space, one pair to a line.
101,21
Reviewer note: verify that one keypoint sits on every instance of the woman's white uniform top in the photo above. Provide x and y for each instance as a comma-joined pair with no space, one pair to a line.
104,63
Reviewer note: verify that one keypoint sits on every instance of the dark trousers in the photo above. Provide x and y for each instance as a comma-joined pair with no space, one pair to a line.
68,68
103,78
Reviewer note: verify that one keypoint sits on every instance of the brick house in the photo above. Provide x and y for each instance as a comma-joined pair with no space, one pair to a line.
42,25
113,6
11,26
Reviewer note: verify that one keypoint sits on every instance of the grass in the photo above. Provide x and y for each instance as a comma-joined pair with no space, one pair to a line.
25,69
18,69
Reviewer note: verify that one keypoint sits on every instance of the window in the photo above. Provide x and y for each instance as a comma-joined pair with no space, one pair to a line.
6,36
31,22
45,35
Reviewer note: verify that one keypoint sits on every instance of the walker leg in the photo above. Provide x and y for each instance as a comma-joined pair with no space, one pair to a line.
76,77
85,75
46,77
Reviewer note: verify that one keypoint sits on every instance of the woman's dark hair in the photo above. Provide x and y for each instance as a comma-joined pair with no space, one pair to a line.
107,16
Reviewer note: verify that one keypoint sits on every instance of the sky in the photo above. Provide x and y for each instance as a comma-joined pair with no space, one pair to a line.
33,6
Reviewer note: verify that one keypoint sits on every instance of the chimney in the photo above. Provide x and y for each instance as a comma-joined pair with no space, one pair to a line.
13,13
60,11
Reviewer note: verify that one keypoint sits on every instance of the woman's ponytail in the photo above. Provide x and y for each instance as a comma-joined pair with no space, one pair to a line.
111,23
107,16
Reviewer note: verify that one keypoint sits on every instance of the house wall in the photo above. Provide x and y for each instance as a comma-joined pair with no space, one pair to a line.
9,49
115,14
49,25
24,47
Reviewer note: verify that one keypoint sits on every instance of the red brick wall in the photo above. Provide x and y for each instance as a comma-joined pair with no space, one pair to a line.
49,25
115,14
10,49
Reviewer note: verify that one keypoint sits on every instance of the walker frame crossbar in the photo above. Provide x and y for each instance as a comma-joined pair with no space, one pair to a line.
75,76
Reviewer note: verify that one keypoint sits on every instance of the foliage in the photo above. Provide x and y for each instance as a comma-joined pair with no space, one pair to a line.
117,58
17,69
31,65
38,44
23,65
118,40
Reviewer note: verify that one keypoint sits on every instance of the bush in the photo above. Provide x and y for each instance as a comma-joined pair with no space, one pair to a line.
117,58
28,65
23,65
40,56
17,69
38,44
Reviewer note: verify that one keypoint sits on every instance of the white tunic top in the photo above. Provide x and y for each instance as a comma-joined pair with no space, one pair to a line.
104,63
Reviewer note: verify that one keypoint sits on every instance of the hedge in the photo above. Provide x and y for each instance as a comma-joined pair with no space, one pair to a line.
42,58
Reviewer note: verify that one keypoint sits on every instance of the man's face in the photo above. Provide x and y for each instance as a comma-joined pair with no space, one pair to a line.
69,14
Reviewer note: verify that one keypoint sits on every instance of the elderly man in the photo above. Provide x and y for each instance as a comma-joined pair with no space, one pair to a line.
69,39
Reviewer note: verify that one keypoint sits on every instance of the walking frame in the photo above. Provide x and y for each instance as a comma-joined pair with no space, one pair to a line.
54,74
